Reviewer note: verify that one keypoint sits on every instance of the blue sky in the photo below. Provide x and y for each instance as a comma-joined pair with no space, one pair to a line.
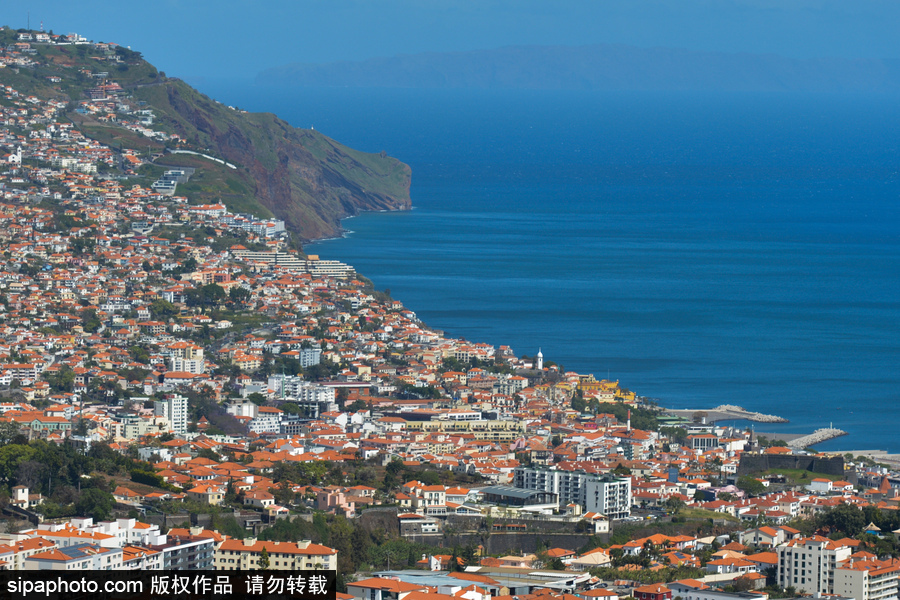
231,38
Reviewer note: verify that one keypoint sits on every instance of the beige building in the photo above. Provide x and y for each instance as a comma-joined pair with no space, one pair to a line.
208,493
494,431
237,555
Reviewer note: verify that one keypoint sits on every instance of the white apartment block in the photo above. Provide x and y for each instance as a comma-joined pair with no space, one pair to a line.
267,420
809,564
605,494
867,579
610,496
175,410
195,366
300,389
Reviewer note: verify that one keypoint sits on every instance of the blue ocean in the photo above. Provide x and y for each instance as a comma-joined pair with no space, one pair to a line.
700,248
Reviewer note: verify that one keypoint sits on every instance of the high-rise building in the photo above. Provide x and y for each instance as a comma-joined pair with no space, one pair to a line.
174,407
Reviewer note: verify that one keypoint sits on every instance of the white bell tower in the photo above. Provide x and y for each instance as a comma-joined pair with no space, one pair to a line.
539,363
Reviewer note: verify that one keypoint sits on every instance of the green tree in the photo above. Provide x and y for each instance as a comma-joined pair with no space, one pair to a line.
9,431
10,457
393,469
264,559
845,518
621,470
139,354
239,295
678,435
96,503
360,541
90,322
578,402
207,296
62,380
750,485
189,265
162,310
341,534
257,398
284,495
556,564
674,504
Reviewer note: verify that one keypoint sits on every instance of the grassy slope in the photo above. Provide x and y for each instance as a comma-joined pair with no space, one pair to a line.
212,182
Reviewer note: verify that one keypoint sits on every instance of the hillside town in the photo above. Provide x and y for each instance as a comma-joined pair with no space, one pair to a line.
184,388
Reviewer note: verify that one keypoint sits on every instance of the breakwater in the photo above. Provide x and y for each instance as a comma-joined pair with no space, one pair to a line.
728,412
816,437
737,412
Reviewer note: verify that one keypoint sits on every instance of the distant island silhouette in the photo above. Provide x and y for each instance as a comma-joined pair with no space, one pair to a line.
598,67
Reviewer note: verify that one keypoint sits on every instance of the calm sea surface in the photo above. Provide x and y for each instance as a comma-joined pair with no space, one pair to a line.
700,248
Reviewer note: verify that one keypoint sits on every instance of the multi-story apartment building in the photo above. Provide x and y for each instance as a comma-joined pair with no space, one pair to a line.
175,410
237,555
300,389
605,494
809,564
494,431
608,495
867,579
191,552
139,558
16,552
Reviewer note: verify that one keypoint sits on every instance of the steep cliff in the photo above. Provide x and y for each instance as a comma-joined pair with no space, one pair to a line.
301,176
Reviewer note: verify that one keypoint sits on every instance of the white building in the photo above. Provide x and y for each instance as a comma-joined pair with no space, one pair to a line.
809,564
610,496
267,420
867,579
605,494
193,366
81,557
175,410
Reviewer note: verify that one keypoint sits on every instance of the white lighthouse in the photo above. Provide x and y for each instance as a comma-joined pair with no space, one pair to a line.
539,363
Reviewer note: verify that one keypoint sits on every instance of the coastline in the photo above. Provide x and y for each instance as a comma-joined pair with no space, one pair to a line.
345,233
879,456
436,265
724,412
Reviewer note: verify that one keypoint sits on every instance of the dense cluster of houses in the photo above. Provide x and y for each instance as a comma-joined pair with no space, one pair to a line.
813,566
113,299
129,544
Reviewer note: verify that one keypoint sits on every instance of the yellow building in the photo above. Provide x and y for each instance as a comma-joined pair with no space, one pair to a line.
587,383
495,431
